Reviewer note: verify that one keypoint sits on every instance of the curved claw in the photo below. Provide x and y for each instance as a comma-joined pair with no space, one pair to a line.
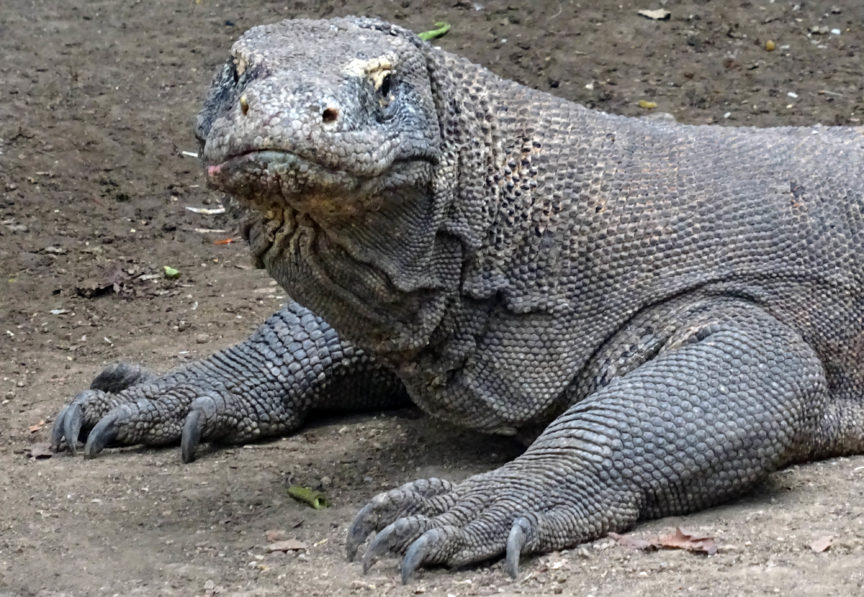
393,538
360,528
57,429
191,437
73,418
100,436
379,546
417,552
515,542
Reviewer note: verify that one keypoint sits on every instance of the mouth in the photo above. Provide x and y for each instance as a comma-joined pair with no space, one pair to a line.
257,157
261,178
272,174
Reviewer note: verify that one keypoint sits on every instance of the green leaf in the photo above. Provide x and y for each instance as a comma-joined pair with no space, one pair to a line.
171,273
309,496
441,29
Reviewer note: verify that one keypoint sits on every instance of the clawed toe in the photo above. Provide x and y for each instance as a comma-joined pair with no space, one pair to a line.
394,539
98,400
152,414
516,541
67,426
479,519
191,436
101,436
425,541
201,423
70,422
425,497
426,549
363,524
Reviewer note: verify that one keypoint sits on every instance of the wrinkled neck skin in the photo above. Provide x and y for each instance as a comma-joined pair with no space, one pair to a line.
381,277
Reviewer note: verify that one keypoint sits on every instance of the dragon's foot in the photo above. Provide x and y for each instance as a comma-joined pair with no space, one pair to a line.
128,405
510,511
110,391
262,387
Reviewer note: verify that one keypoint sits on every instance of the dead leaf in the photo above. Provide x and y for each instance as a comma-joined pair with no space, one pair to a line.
681,540
307,495
821,544
37,427
658,14
677,540
286,545
273,536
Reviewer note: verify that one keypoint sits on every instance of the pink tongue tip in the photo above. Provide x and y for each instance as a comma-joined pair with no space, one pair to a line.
213,170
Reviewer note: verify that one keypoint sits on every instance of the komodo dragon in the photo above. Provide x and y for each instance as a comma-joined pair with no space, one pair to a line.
670,312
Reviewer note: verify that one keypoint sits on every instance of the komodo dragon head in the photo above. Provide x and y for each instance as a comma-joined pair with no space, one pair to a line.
328,132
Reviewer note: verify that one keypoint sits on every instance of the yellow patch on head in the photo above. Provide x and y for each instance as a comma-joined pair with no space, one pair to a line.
240,65
376,69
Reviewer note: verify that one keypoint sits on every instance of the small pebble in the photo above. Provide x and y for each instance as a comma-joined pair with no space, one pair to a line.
770,45
202,338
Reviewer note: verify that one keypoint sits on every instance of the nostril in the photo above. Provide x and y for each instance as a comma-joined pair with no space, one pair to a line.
330,115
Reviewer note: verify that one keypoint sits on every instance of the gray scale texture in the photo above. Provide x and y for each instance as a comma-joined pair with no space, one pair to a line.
669,312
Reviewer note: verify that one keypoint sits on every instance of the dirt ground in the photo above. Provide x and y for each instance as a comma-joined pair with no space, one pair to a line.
97,103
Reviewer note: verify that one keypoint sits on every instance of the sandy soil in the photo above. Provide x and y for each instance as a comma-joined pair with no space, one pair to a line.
97,101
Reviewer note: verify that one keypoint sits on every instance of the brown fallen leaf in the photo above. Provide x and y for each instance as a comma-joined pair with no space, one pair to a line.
286,545
821,544
274,535
677,540
37,427
682,540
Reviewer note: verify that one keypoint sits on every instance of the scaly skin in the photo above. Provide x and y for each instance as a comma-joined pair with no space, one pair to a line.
291,366
673,311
